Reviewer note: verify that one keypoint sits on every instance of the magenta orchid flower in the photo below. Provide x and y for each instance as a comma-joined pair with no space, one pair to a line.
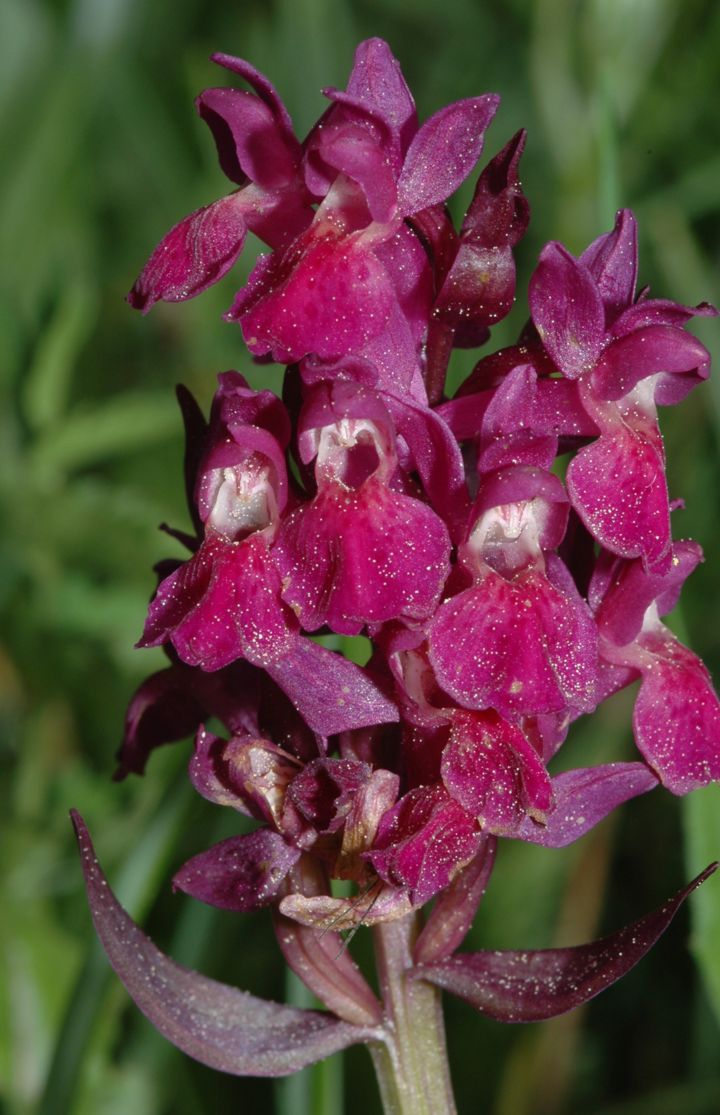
500,602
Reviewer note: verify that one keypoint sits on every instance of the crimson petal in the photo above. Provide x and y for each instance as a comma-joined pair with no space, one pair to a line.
218,1025
532,986
197,252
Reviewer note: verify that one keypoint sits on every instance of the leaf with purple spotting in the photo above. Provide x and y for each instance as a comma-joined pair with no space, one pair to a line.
535,985
218,1025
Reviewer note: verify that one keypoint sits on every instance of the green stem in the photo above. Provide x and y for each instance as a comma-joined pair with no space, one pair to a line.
411,1067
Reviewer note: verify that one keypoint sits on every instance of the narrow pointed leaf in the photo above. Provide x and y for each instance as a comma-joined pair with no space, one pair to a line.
534,985
220,1026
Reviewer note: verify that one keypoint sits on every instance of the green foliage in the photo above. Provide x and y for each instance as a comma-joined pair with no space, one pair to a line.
102,154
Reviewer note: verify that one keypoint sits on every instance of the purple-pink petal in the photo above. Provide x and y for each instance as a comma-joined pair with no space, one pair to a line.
567,311
262,87
655,350
377,82
423,841
583,798
612,262
534,985
443,152
218,1025
249,143
352,558
617,486
495,774
677,716
221,605
336,298
330,692
522,647
196,253
240,873
362,156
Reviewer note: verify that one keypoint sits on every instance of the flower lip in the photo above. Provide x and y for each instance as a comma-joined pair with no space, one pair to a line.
241,500
350,452
520,512
242,484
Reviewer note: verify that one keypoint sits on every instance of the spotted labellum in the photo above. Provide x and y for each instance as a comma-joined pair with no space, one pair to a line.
501,597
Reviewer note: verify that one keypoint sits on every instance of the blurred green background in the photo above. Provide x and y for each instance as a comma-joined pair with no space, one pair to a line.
102,152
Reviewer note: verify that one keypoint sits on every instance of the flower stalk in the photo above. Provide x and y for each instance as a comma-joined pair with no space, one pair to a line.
411,1065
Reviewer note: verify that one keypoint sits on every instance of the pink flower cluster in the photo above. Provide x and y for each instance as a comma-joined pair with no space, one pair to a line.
508,552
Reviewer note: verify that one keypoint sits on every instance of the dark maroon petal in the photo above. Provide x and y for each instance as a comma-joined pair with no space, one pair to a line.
323,791
240,873
617,486
162,710
423,841
250,144
612,262
531,986
499,213
323,962
478,291
567,311
196,253
260,85
218,1025
196,432
443,153
654,350
331,693
585,797
455,908
677,716
479,288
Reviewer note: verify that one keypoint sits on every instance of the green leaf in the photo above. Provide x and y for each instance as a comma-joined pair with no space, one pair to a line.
701,814
123,424
48,380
